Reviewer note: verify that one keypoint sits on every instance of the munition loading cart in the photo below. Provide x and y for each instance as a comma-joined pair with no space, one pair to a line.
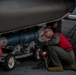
17,45
17,21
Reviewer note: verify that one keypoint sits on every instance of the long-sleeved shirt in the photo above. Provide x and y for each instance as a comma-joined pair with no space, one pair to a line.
60,40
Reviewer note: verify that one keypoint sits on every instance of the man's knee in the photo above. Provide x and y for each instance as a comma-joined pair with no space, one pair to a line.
54,48
51,49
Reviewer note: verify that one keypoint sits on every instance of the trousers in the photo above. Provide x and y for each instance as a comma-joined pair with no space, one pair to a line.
59,55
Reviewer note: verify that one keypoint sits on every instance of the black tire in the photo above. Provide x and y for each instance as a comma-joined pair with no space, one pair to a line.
37,54
9,62
48,61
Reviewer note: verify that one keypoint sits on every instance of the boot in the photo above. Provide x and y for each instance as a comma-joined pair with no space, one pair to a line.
57,68
70,67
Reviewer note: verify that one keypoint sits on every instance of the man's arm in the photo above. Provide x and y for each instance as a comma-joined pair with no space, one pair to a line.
55,40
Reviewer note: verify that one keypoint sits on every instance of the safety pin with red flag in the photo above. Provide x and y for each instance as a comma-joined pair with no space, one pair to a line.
0,51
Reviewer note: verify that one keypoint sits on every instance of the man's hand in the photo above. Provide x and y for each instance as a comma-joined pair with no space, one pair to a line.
45,38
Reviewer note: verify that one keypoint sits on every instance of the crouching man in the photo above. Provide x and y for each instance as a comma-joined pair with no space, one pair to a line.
60,50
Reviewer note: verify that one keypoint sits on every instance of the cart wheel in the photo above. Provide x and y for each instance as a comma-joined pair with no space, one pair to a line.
38,54
9,62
